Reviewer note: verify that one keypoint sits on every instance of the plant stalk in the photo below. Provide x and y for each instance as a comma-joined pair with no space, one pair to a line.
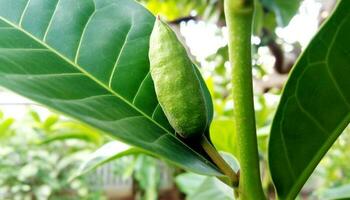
239,17
219,161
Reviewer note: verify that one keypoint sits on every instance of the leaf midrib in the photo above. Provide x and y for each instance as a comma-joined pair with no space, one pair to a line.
99,83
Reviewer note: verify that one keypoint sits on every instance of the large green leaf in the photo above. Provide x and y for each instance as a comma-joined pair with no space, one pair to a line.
89,59
315,106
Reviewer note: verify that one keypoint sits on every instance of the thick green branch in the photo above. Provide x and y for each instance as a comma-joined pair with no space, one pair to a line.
239,16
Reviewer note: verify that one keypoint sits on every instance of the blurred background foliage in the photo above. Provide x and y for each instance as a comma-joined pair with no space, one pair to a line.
47,156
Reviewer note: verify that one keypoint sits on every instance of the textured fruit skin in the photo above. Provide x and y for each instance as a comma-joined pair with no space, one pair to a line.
177,86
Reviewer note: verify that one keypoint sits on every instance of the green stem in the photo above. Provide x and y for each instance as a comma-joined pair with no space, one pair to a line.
239,17
219,161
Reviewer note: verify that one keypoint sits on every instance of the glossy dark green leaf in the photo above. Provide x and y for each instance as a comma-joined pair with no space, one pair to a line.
89,59
315,106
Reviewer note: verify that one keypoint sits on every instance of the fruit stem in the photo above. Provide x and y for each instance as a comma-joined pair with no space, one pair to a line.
219,161
239,17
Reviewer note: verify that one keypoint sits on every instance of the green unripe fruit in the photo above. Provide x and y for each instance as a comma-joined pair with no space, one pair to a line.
176,83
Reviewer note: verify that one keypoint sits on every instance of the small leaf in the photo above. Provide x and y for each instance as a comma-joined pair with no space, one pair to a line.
212,188
198,187
222,134
230,160
70,135
108,152
315,106
50,121
35,116
5,126
189,182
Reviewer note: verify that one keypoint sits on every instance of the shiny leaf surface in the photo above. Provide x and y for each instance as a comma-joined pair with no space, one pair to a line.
315,106
89,60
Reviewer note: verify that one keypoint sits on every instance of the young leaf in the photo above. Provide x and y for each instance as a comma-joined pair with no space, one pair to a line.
315,106
212,188
69,135
222,134
89,60
108,152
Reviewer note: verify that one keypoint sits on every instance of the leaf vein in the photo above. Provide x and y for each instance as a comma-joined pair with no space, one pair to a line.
23,49
140,87
50,22
83,32
284,145
310,116
120,53
331,75
154,111
88,75
98,82
23,13
44,75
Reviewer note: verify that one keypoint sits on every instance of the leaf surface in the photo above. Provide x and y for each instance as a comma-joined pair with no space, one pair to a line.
315,106
88,59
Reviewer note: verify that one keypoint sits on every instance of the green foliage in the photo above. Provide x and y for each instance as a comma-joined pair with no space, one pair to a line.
108,152
222,134
197,187
173,9
147,174
5,125
89,61
314,108
98,73
32,170
71,130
